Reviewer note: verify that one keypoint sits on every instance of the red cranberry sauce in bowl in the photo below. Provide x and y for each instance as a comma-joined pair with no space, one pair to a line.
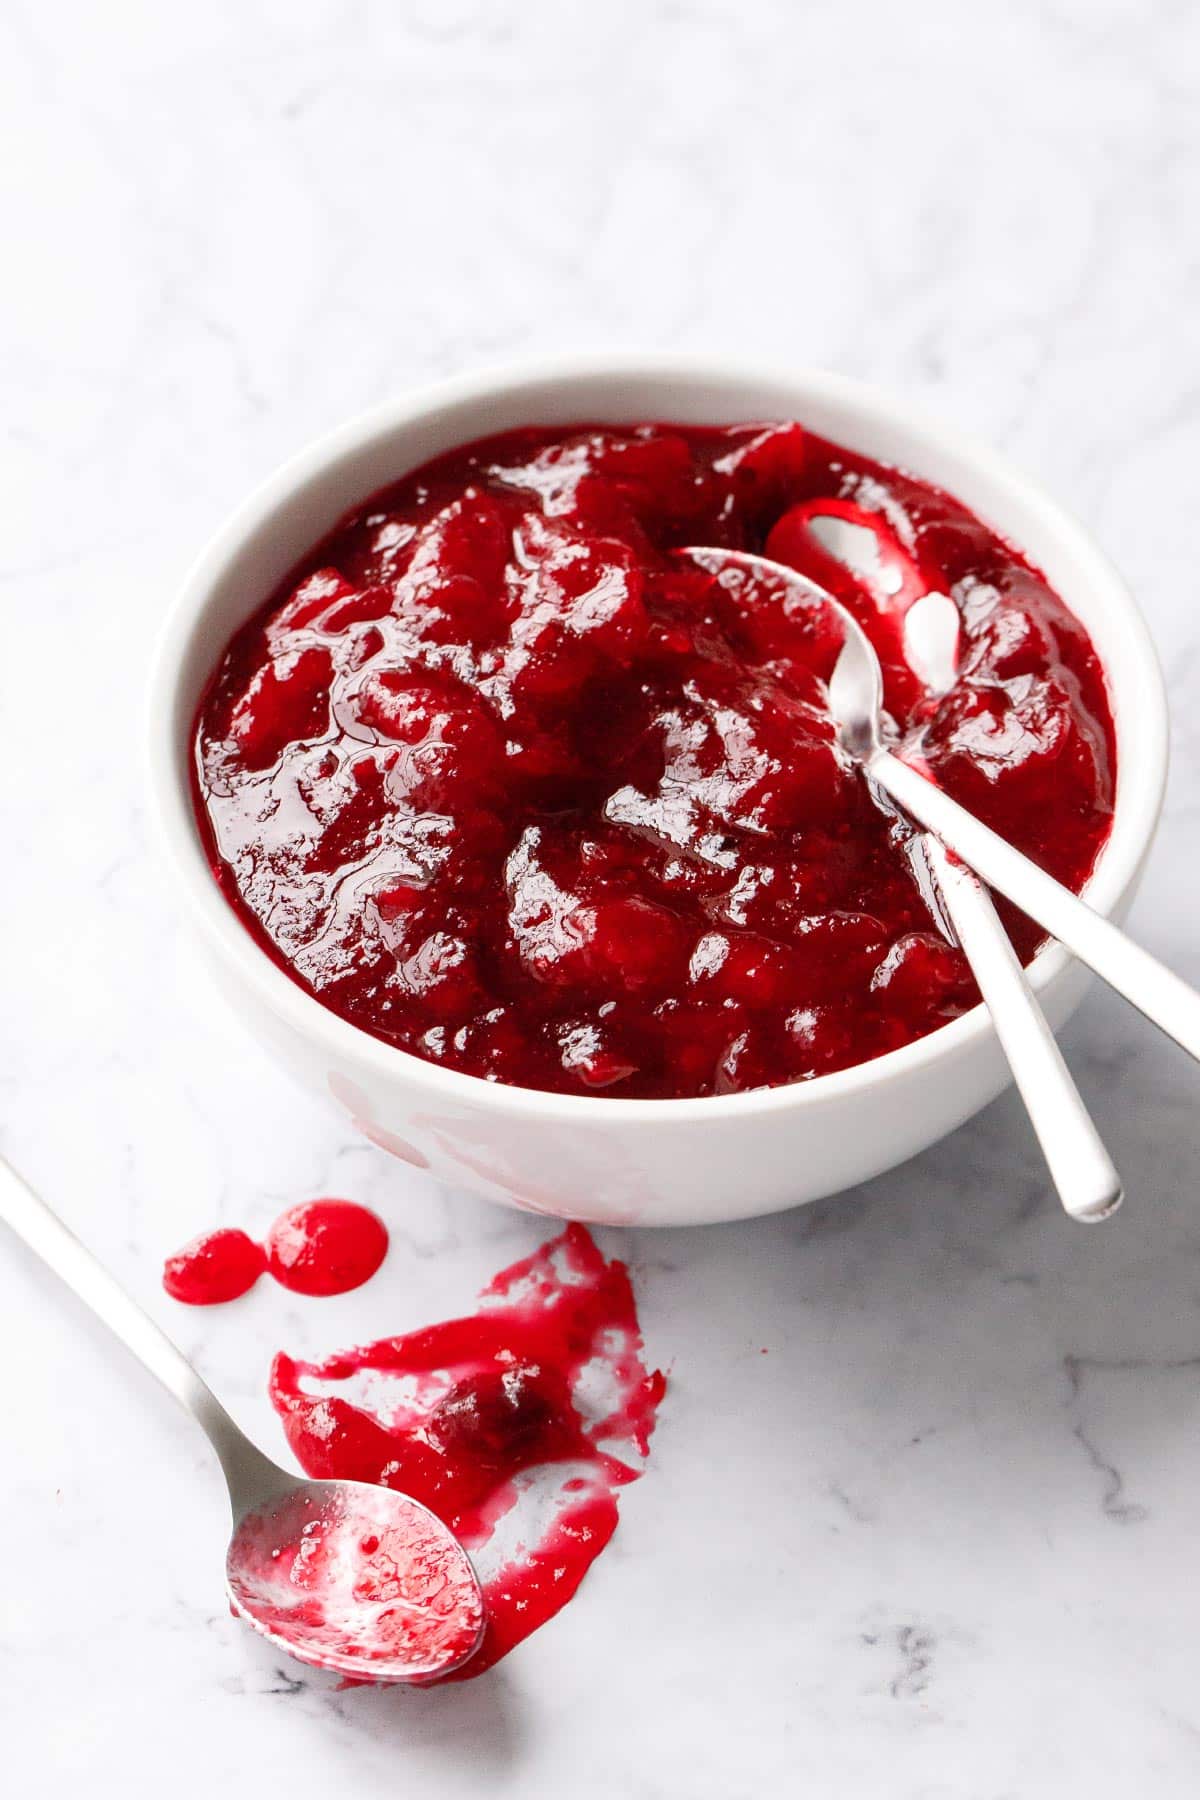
504,782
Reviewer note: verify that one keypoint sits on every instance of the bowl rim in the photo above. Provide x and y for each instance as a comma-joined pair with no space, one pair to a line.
1141,778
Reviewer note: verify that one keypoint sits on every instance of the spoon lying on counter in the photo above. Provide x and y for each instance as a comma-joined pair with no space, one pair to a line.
1083,1173
343,1575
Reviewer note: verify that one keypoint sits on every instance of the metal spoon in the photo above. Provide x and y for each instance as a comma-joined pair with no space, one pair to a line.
1080,1167
1082,1171
339,1574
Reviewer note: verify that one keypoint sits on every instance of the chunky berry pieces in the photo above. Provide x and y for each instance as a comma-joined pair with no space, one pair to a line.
501,779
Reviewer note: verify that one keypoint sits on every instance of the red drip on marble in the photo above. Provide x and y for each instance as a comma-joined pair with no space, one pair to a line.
517,1425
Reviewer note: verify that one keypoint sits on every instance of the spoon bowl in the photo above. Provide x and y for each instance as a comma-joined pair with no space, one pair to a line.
358,1579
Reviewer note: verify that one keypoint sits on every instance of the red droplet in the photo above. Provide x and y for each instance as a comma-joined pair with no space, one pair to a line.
219,1265
325,1247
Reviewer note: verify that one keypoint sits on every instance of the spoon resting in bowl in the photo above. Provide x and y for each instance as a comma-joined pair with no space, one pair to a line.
930,636
1082,1169
342,1575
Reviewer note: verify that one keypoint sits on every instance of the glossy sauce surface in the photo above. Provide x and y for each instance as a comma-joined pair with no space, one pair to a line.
501,780
517,1425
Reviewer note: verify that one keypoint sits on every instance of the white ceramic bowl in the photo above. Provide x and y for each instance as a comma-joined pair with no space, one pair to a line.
646,1162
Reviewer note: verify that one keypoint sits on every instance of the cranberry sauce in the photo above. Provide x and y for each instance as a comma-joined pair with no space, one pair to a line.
516,1426
326,1247
504,782
218,1266
320,1247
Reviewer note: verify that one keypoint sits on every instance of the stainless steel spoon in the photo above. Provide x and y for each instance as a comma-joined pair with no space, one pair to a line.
365,1616
1083,1173
1082,1170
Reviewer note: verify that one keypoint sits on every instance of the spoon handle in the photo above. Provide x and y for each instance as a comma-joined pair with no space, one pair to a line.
1082,1170
1146,983
46,1235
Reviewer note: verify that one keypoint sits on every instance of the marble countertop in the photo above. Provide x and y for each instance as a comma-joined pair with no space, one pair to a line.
939,1541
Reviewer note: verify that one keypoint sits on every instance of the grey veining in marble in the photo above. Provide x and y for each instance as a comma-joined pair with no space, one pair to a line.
921,1520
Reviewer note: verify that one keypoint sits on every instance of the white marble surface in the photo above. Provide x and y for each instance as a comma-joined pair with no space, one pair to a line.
941,1539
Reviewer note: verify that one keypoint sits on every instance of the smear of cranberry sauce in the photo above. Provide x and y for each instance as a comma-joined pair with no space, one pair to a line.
517,1425
503,782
